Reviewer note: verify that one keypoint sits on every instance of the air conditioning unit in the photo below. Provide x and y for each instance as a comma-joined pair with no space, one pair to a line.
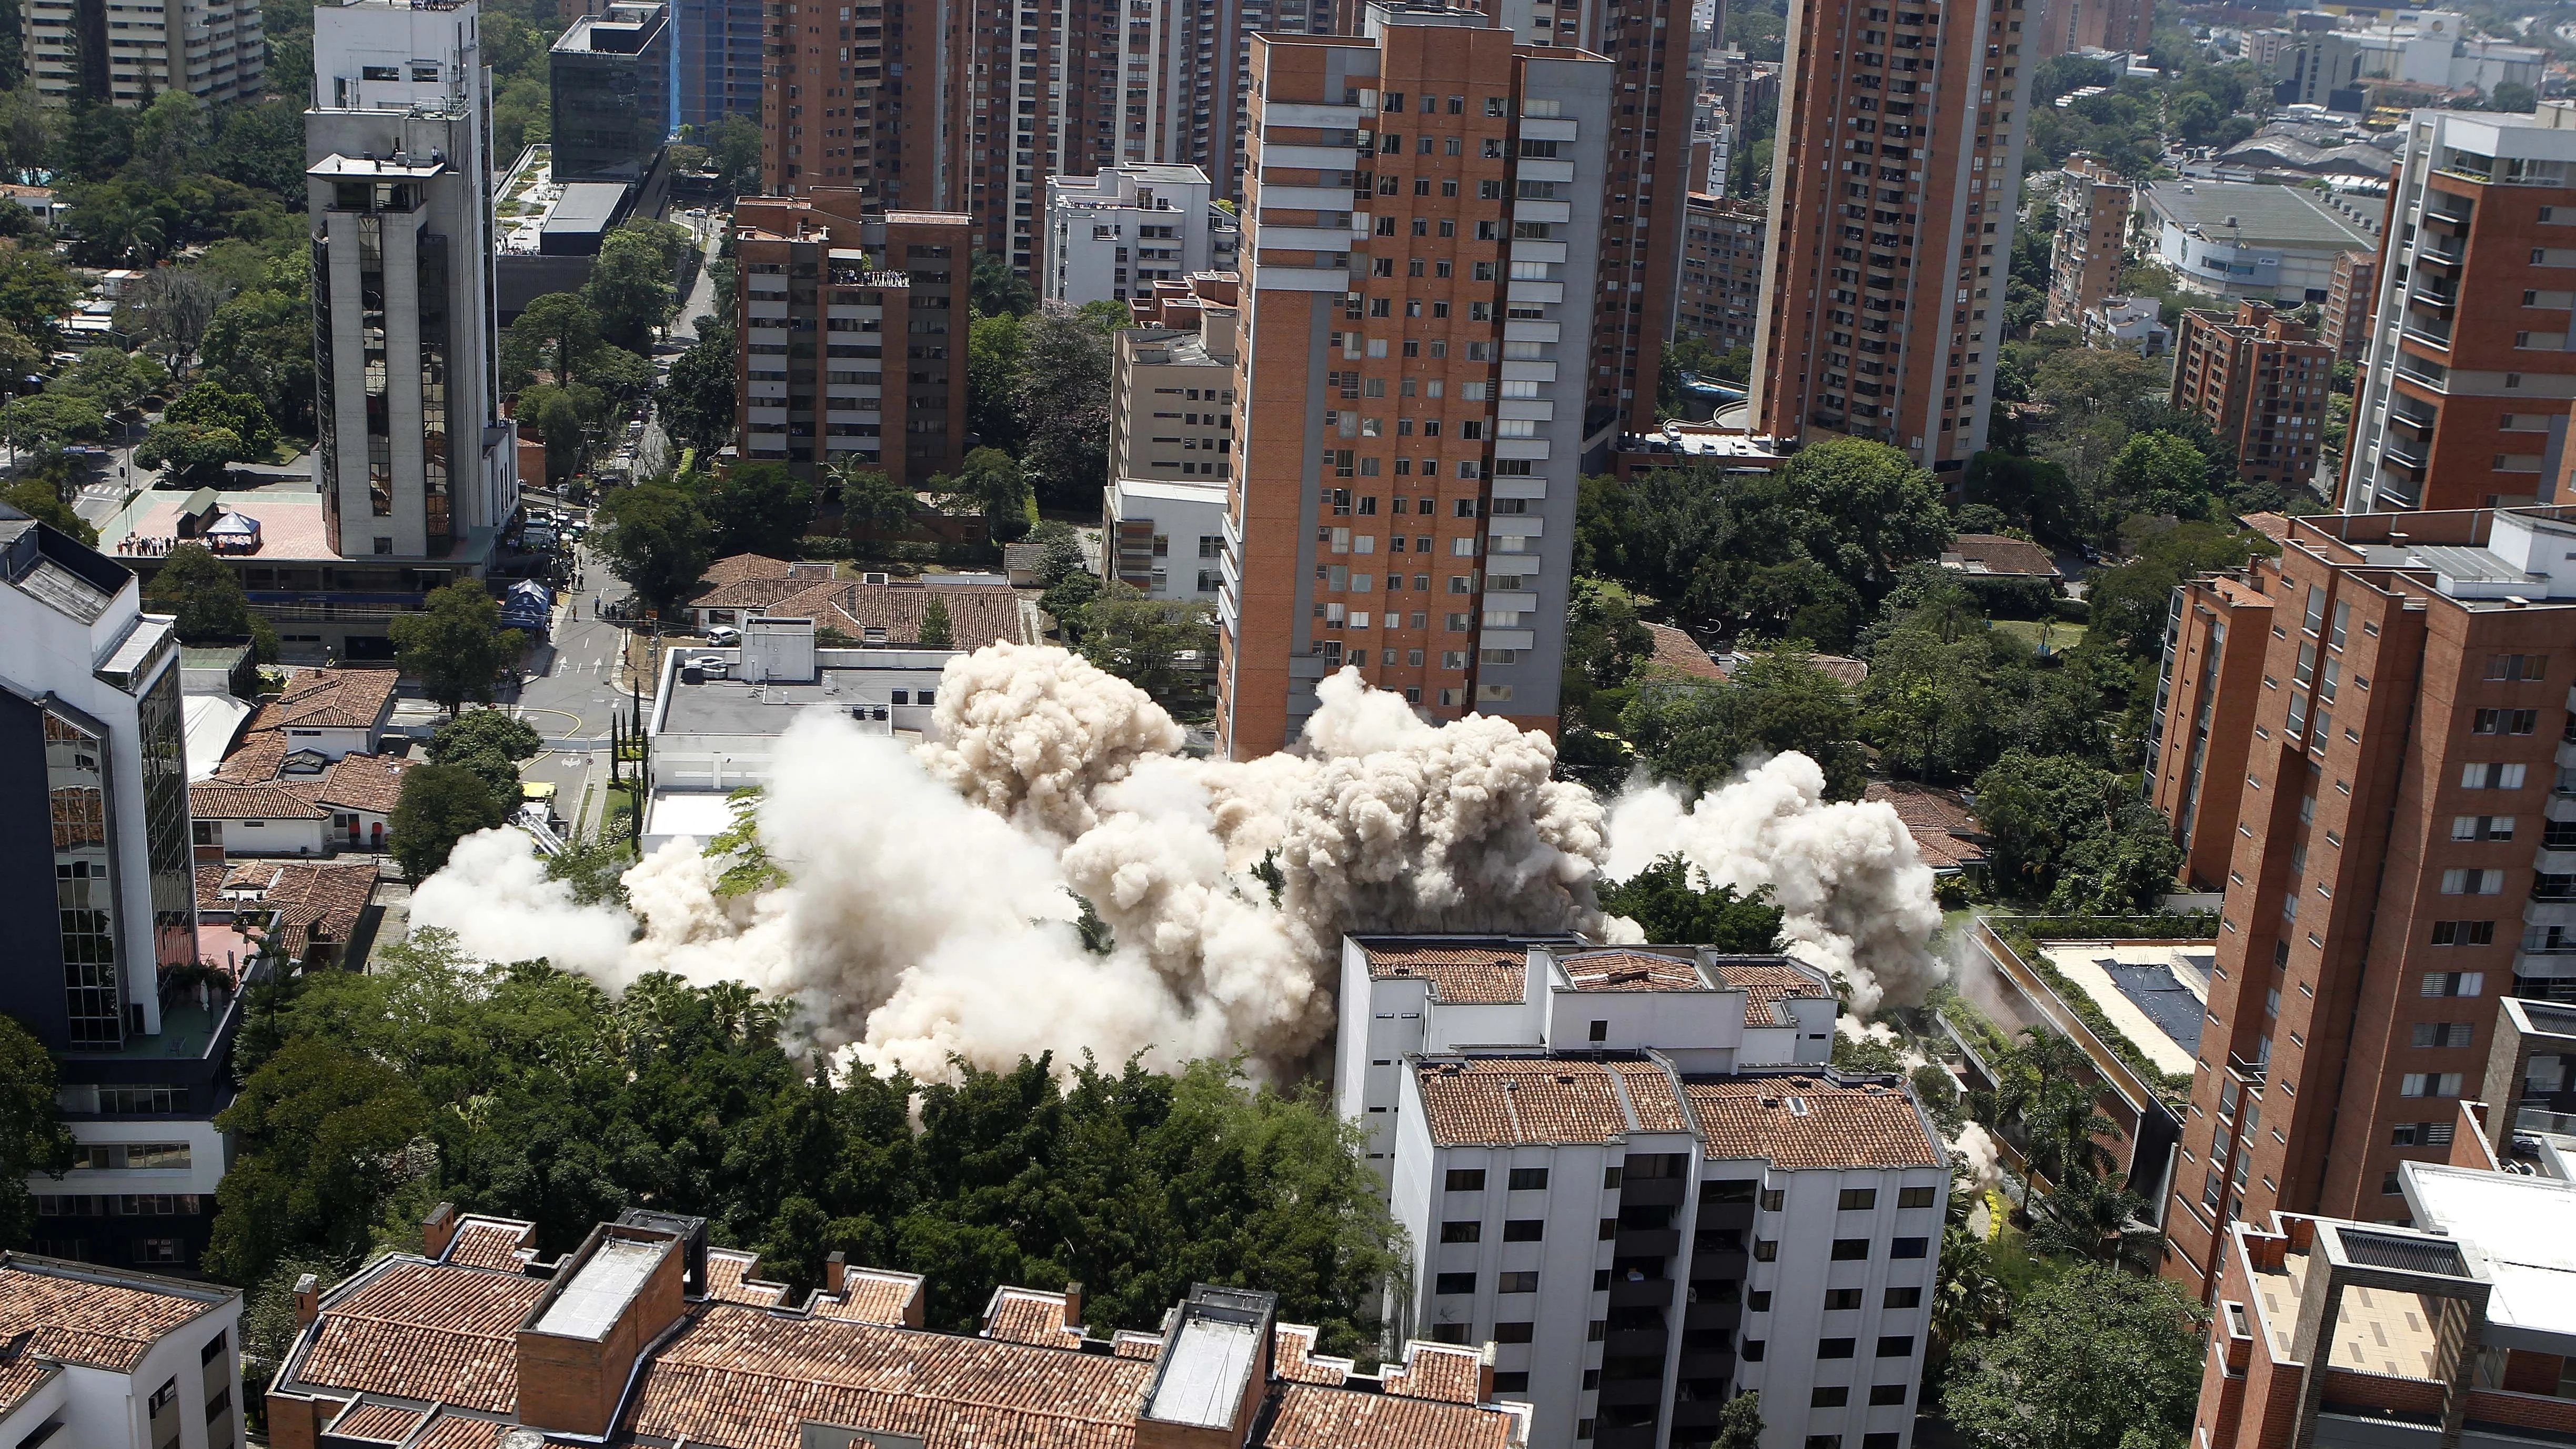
872,578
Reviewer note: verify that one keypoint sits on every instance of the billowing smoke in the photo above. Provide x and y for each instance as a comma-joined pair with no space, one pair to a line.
1974,1148
933,899
1855,895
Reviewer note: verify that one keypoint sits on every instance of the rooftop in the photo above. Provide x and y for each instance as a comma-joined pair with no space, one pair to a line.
1946,833
1993,553
105,1318
847,679
1461,972
2155,992
1631,970
329,699
1528,1101
1811,1122
289,514
1681,654
2287,217
2513,1232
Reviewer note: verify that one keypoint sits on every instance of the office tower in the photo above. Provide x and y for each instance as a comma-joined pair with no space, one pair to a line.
97,873
2358,742
414,461
1632,1173
2064,26
610,79
814,267
2348,302
1110,236
2463,397
2260,382
1721,273
1892,226
718,63
2084,258
1421,241
215,50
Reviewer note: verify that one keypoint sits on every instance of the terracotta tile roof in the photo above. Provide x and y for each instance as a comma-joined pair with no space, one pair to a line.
978,614
1654,1098
1131,1343
482,1242
1499,1101
1437,1371
253,761
387,1423
1992,553
210,876
217,799
1323,1418
1841,668
418,1330
83,1316
22,1377
729,1278
1026,1315
1830,1126
747,1378
2273,526
757,593
1630,971
330,896
1294,1358
1678,653
452,1431
873,1295
1764,984
1936,820
329,699
735,568
1459,975
364,782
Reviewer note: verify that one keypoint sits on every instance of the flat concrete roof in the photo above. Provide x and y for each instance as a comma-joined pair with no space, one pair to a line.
586,206
2513,1230
2286,217
2155,992
733,707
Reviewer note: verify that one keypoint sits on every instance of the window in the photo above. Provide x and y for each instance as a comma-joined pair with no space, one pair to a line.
1848,1250
1856,1198
2504,721
2491,777
1915,1197
1883,1439
2459,882
1834,1347
2482,827
1462,1232
1896,1345
2454,983
1528,1179
2429,1084
1904,1298
2444,1033
1512,1332
1514,1381
1771,1199
1828,1397
1524,1230
2463,933
2519,668
1466,1179
1453,1283
1516,1283
218,1402
1842,1298
213,1350
1881,1395
380,72
1909,1247
1448,1333
1765,1249
1600,1030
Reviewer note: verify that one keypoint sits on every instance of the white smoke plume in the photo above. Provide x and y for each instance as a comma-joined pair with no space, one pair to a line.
1855,895
1975,1150
930,905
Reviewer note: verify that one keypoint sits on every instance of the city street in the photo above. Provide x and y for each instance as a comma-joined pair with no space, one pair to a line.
574,684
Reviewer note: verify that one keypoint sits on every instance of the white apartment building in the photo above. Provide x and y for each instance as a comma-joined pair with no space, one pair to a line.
1166,538
2423,48
415,461
121,53
1171,401
1110,236
102,1359
1629,1171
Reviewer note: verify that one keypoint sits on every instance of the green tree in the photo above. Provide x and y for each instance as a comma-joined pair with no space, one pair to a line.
261,342
438,806
2036,809
455,646
990,484
191,453
757,508
1739,1424
871,501
1777,701
2093,1355
630,286
1064,405
33,1139
656,539
2122,869
2513,96
2157,474
996,354
936,631
553,334
559,423
321,1138
211,405
1674,903
2129,601
49,421
35,290
491,744
996,290
1143,641
40,500
737,154
696,403
204,597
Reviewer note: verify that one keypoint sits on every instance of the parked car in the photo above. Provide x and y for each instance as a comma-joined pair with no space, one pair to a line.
724,636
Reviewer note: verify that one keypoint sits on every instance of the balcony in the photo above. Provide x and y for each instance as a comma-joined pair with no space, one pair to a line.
1644,1293
1636,1342
1632,1391
1649,1242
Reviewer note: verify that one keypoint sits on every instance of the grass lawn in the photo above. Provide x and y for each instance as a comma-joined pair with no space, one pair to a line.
617,811
2061,636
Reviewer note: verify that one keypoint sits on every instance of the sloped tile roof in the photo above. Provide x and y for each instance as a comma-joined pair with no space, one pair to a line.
729,1277
1630,971
1459,975
1026,1315
1132,1343
1993,553
329,699
1514,1100
216,800
1438,1371
1765,985
453,1431
418,1330
1811,1122
873,1295
734,568
21,1378
1293,1357
1678,653
1936,819
369,1420
482,1242
978,614
77,1318
1312,1417
364,782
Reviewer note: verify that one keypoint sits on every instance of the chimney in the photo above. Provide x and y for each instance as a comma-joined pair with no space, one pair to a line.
438,1230
308,1300
1073,1305
1485,1374
836,1272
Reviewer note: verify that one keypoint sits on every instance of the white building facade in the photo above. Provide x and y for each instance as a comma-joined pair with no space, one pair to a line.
414,459
116,1360
122,54
1166,538
1110,236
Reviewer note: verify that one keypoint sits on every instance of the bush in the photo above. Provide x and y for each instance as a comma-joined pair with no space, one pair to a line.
823,546
2072,611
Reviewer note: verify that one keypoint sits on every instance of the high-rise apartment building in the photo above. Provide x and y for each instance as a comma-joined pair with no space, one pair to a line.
995,98
853,328
610,79
2349,297
718,62
1721,275
2071,25
2363,743
1422,235
1892,225
2463,396
76,50
95,866
2260,382
2092,240
1171,400
1112,235
1630,1170
414,460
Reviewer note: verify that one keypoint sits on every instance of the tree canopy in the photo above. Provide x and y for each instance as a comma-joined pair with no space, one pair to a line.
2093,1357
657,539
204,596
455,646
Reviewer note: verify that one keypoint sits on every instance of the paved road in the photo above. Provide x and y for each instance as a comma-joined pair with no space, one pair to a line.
574,684
655,451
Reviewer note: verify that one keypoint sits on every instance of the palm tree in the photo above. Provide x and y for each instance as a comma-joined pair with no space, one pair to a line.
2066,1126
2097,1218
1968,1300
